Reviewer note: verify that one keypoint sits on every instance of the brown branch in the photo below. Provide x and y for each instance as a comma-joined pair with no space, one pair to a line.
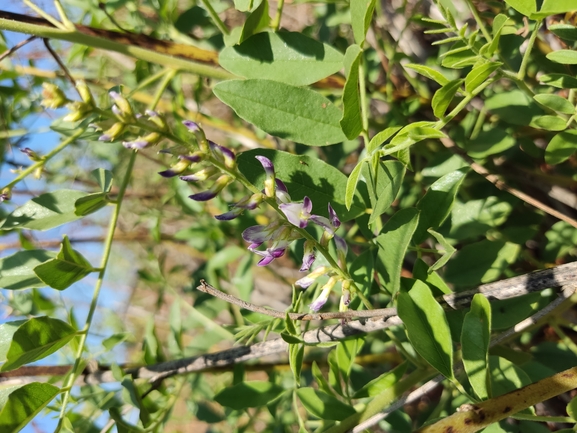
382,312
16,47
496,180
60,63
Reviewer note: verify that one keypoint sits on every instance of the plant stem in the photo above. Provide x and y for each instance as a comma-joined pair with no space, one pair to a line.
480,23
105,256
275,24
46,158
525,61
217,21
162,87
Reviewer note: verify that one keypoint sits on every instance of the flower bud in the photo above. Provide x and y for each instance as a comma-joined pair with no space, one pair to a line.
200,175
78,111
123,108
157,119
213,191
31,154
318,303
53,96
113,132
176,169
6,194
310,278
85,93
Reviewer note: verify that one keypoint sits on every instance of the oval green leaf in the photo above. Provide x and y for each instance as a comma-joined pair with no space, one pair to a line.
479,74
352,184
564,31
303,176
427,326
351,122
285,111
428,72
555,102
561,147
525,7
46,211
35,339
393,243
561,81
17,270
22,404
324,405
291,58
549,123
248,394
565,57
475,338
384,185
444,96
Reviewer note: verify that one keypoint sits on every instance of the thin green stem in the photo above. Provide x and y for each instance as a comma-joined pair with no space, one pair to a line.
46,16
45,159
105,256
275,24
568,342
217,21
527,417
149,80
162,87
525,61
480,23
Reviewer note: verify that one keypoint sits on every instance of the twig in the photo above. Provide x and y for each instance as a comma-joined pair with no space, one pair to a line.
102,7
57,58
16,47
381,312
495,180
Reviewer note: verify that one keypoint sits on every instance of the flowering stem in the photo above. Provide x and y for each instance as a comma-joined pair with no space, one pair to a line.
45,158
105,256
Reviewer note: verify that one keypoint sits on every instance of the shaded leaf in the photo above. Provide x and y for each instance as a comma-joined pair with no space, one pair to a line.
351,122
383,382
292,58
555,102
46,211
384,185
561,147
560,81
248,394
323,405
564,31
427,326
393,243
104,179
90,203
288,112
17,270
444,96
361,15
22,404
447,254
36,339
475,338
258,20
352,181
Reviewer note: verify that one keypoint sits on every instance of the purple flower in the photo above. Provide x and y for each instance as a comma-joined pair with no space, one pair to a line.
282,195
176,169
298,214
308,256
230,215
200,175
136,144
257,235
269,181
336,222
213,191
225,154
191,126
305,282
320,301
274,252
342,249
193,157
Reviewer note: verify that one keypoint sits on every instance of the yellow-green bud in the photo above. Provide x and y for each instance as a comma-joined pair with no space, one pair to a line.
53,96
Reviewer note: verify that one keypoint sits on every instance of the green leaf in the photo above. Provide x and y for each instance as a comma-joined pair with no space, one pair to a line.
292,58
115,339
46,211
296,354
498,26
427,326
513,107
555,102
561,147
561,81
489,142
303,176
524,7
7,331
475,217
479,75
258,20
320,379
393,243
90,203
352,181
383,382
506,376
475,338
17,270
554,7
384,185
572,408
549,123
437,202
345,353
323,405
68,267
381,137
351,122
361,15
447,254
565,57
444,96
288,112
21,405
104,179
428,72
564,31
248,394
481,262
36,339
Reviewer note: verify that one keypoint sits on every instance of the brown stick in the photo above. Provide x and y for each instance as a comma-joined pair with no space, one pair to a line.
16,47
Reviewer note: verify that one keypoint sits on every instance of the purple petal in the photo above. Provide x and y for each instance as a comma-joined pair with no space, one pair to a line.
105,137
230,215
114,95
28,151
195,157
280,185
307,205
256,234
294,213
341,245
265,261
318,304
116,110
135,144
266,164
323,222
308,261
334,218
191,126
151,113
168,173
203,196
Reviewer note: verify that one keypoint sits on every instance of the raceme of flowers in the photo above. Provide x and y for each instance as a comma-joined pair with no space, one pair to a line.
269,242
